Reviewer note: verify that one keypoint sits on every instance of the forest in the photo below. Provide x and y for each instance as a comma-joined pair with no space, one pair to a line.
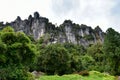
20,55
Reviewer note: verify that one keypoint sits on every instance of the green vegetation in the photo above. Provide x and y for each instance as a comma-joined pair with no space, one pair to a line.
111,49
88,37
95,51
94,75
16,55
21,54
53,59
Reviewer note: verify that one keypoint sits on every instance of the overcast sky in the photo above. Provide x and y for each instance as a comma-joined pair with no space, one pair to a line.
105,13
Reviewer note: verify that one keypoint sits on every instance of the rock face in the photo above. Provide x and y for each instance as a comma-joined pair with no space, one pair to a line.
38,27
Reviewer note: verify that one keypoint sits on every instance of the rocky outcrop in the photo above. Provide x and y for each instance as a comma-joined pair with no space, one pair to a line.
38,26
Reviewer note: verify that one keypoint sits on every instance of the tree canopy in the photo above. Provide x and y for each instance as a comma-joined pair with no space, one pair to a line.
17,52
112,50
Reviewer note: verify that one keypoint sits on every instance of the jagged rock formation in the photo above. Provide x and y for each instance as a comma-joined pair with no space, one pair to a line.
67,32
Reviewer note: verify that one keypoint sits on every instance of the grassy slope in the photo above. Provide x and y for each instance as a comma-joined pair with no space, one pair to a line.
93,76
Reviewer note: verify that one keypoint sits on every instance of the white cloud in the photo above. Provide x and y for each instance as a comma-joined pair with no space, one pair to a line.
89,12
10,9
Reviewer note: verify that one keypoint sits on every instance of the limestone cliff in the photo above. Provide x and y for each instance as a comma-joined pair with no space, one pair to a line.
67,32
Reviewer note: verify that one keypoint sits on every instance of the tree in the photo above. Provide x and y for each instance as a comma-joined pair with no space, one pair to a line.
112,50
75,53
96,52
54,59
17,54
86,62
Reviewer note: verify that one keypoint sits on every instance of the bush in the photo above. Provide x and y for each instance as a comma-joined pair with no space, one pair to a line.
16,55
13,72
54,59
86,62
88,37
84,73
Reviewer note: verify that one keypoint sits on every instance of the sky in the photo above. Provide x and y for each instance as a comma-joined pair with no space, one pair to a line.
105,13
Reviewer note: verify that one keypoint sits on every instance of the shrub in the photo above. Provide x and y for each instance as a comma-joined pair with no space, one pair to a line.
16,55
84,73
53,59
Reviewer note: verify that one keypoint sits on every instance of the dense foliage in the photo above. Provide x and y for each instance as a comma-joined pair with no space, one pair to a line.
103,57
54,59
112,51
16,55
20,54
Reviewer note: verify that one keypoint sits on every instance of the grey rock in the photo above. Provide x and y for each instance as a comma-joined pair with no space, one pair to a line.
36,15
38,26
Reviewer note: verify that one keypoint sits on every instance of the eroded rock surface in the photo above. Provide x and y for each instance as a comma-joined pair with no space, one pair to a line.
38,26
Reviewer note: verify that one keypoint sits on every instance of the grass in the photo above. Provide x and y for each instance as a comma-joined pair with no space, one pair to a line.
94,75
